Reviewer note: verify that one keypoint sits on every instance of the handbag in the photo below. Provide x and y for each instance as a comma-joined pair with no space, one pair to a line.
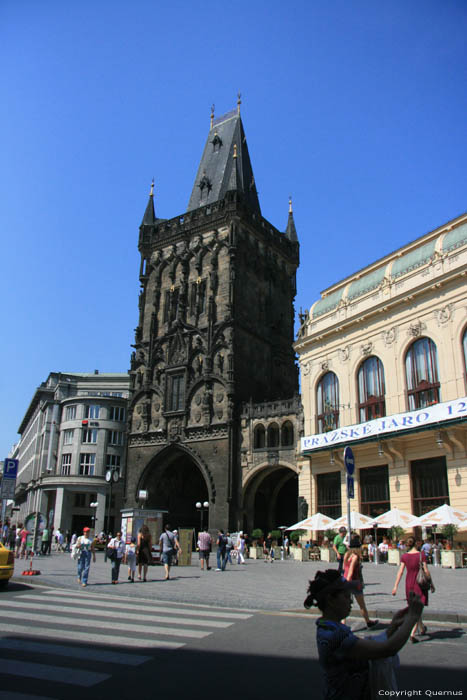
75,552
423,581
111,553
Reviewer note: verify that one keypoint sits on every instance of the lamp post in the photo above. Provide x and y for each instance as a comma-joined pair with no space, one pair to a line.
112,475
94,505
202,507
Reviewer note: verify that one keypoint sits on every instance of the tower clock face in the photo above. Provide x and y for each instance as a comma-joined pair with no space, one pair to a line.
108,475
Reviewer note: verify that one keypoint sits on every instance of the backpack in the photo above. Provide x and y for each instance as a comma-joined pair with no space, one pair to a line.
229,543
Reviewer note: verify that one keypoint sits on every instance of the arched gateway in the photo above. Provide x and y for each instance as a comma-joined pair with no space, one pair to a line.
176,481
270,498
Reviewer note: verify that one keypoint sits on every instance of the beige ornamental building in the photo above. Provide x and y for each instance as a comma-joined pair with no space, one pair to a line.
383,357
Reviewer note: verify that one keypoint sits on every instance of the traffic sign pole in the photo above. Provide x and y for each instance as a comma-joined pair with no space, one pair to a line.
349,462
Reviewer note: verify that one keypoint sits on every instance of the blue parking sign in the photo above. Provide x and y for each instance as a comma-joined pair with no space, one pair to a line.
10,468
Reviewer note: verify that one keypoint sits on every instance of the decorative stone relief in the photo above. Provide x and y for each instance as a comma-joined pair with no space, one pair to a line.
389,336
325,365
306,367
415,329
344,353
444,314
366,349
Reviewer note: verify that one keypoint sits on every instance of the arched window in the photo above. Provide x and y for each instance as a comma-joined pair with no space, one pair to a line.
371,389
421,369
327,400
260,437
273,435
287,438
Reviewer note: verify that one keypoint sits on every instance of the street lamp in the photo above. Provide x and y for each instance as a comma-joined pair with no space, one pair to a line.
202,507
112,475
94,505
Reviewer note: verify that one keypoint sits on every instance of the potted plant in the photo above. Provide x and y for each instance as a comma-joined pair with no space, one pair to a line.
256,551
450,557
327,552
296,550
394,553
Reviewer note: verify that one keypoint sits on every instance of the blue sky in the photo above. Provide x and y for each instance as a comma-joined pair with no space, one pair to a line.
357,108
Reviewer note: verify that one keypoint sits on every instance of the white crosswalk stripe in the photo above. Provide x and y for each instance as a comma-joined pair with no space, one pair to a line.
39,630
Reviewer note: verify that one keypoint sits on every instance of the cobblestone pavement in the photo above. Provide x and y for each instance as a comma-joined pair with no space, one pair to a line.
256,585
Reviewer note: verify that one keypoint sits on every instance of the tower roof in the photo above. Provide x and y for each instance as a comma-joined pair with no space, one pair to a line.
149,217
291,231
219,171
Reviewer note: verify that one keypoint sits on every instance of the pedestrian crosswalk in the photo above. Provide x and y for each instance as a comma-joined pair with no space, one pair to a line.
46,635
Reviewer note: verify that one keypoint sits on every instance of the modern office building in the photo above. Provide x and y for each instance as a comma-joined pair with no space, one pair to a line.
73,433
215,333
383,357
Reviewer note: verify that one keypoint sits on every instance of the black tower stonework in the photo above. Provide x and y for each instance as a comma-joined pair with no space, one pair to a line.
215,331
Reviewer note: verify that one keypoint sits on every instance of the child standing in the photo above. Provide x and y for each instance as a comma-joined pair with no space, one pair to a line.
130,559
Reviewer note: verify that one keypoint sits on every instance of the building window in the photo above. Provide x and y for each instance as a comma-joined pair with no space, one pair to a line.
371,390
86,464
374,491
329,494
89,435
112,461
171,305
117,413
91,411
80,500
175,392
68,437
70,413
115,437
421,369
464,345
429,484
327,397
287,434
259,437
273,435
65,468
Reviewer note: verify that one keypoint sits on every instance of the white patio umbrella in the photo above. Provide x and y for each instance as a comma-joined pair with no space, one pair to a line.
358,521
444,515
318,521
397,518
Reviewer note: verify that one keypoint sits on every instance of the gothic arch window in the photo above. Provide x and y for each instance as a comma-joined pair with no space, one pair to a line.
273,435
259,437
421,370
327,402
371,389
287,434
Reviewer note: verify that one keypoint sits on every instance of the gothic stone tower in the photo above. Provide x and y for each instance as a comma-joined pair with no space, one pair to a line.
215,330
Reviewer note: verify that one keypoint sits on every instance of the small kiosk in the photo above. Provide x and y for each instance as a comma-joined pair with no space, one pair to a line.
134,518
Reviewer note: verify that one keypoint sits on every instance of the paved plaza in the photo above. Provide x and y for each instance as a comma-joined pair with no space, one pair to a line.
257,585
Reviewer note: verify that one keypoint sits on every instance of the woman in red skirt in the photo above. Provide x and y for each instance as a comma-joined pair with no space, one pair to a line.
411,561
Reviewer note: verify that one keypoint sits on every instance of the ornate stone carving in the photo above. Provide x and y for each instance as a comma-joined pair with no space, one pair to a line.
389,336
325,365
344,353
175,430
444,314
366,349
416,328
306,367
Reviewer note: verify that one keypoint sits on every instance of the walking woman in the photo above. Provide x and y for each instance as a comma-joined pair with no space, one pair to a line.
240,547
118,545
353,572
411,561
85,546
143,551
344,657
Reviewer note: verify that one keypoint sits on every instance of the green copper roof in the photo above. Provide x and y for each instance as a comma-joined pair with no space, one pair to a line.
416,258
366,283
455,238
330,302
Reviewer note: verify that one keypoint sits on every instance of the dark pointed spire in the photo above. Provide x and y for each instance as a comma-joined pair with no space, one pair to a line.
219,169
291,231
149,217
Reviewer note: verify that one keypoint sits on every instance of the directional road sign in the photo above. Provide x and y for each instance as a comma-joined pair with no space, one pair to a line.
349,461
